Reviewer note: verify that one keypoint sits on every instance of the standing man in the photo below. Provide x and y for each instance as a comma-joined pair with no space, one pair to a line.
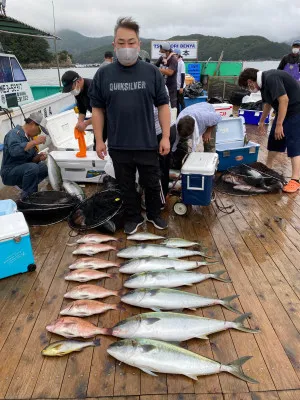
291,62
167,64
180,81
128,89
21,164
278,91
108,58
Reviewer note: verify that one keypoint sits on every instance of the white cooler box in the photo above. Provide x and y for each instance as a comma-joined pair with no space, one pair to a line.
224,109
75,169
61,130
197,175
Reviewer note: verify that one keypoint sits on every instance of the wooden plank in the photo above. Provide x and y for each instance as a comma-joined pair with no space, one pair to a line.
283,326
102,377
24,380
244,344
208,397
26,319
288,270
284,292
269,344
285,203
253,396
289,395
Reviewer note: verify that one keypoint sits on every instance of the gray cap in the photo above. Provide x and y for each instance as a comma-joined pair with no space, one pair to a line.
296,42
165,46
38,118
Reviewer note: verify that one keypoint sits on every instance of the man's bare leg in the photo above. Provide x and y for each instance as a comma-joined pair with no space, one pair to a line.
271,157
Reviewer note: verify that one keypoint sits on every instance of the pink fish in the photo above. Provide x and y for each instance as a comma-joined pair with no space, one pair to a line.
93,238
85,308
93,263
83,292
71,327
85,275
91,249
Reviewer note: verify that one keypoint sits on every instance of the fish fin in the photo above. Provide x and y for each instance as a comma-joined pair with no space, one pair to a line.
204,337
234,368
155,309
239,324
151,321
147,347
96,342
226,303
148,371
194,377
57,346
153,292
120,307
216,275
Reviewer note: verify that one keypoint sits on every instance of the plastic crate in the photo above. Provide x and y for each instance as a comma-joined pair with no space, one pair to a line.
190,102
252,117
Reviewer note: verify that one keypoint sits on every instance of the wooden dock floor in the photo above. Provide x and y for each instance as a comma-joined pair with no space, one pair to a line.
258,245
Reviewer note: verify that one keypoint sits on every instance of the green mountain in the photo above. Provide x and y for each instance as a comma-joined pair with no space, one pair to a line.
88,50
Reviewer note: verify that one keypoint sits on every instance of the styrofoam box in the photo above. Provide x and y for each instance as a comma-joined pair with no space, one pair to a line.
15,246
75,169
197,178
223,109
230,144
61,130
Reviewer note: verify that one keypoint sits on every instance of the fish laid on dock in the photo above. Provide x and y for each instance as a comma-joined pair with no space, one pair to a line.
90,292
92,249
86,308
65,347
93,263
156,250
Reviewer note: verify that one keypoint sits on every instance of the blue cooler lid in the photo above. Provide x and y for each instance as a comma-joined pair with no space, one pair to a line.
7,207
201,164
230,130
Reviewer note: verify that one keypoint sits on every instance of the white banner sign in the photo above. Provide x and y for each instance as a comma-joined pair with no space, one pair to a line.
189,48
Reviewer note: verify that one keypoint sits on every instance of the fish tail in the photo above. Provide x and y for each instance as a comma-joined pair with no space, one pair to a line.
120,307
238,324
234,368
96,342
216,275
121,292
226,303
107,331
202,254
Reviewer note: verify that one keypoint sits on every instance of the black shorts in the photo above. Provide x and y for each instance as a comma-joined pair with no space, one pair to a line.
291,140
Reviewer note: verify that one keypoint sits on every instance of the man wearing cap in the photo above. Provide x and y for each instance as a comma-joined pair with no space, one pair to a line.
21,163
73,83
180,81
108,59
291,62
168,65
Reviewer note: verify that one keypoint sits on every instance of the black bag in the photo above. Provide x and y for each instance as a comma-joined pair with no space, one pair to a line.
237,96
193,90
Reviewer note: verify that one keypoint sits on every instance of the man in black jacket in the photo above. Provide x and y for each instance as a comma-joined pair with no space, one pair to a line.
291,62
127,90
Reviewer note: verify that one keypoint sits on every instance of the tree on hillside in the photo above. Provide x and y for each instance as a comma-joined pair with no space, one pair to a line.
64,56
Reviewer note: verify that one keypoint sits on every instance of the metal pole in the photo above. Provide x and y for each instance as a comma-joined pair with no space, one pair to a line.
56,55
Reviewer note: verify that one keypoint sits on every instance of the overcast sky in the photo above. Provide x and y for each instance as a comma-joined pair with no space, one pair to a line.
275,19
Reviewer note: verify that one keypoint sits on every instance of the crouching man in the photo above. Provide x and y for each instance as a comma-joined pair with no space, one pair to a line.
21,164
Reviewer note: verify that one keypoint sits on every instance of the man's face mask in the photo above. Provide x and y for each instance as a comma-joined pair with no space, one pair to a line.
127,55
295,50
76,90
252,87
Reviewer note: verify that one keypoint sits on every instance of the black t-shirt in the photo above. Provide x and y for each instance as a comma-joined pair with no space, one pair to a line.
128,95
83,99
172,63
277,83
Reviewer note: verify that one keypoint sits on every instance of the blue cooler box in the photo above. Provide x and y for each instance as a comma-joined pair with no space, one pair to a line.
252,117
190,102
197,175
15,247
7,207
230,144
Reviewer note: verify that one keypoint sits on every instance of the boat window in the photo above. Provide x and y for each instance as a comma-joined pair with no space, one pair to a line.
5,70
17,71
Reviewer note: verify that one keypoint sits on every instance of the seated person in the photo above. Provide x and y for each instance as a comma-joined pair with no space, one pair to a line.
21,163
193,122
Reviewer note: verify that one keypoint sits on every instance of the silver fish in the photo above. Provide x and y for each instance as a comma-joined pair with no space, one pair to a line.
74,189
178,242
174,327
172,299
141,236
54,173
146,264
64,347
169,278
156,250
155,356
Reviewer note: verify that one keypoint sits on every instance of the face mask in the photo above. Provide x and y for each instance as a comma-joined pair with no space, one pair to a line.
127,55
253,89
76,91
295,50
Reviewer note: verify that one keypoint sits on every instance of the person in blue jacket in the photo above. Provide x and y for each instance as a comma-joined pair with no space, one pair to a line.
22,165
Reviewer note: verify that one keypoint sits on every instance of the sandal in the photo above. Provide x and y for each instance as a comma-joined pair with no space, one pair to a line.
291,187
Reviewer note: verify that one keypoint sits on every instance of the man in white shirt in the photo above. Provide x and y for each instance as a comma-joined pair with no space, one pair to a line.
180,81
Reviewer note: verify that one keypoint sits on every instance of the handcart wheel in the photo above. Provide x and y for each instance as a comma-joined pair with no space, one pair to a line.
180,208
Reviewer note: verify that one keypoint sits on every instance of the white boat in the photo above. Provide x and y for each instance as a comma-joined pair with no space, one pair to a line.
15,89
